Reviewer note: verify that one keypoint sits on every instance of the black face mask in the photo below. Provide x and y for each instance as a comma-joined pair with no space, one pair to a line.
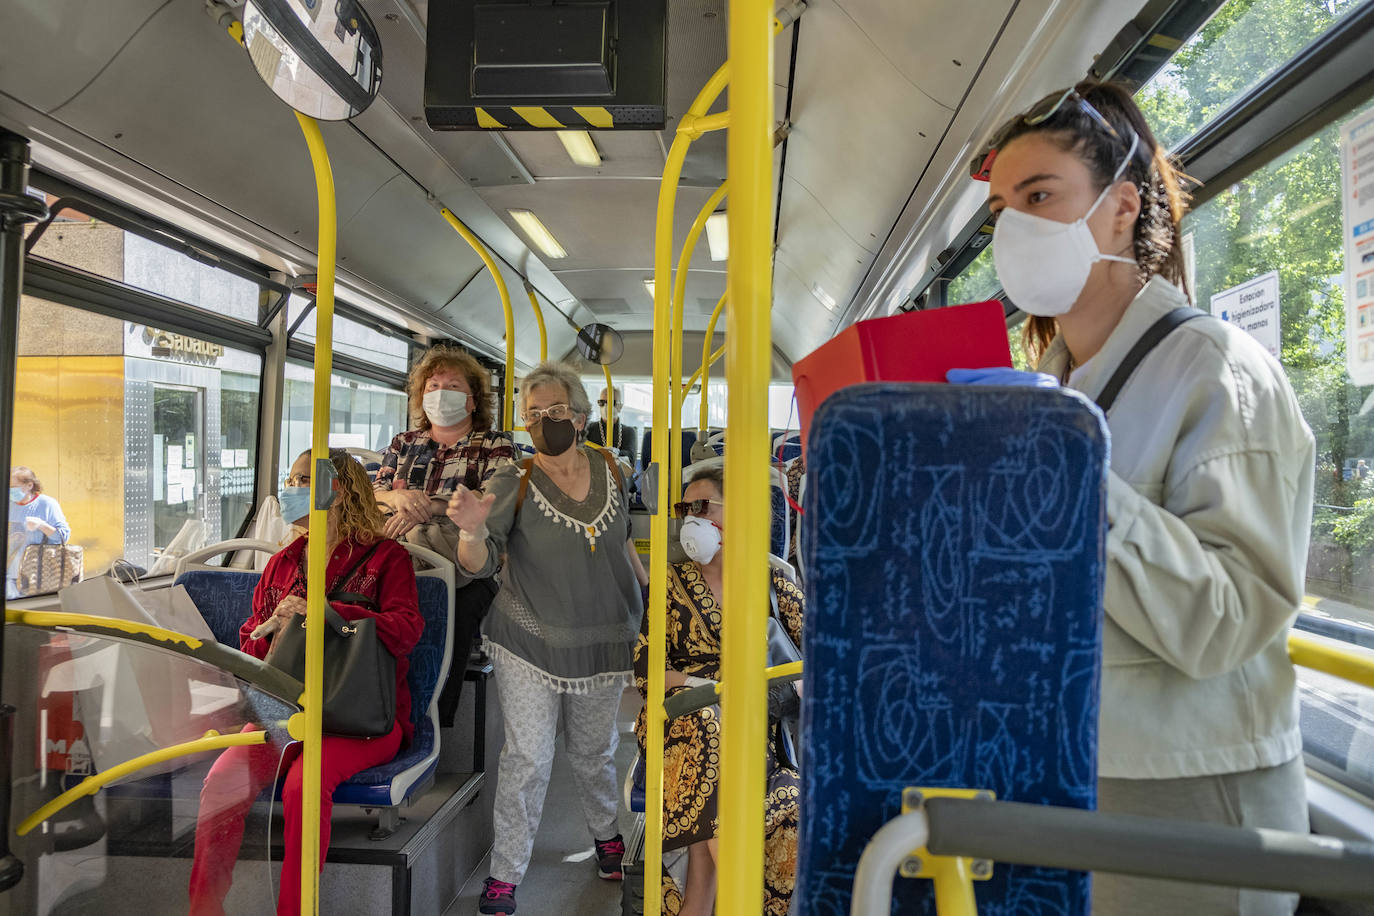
553,437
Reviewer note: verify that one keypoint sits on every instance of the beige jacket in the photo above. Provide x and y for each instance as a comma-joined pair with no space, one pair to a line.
1209,502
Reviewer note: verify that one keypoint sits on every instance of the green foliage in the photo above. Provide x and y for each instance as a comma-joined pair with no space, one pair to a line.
1286,216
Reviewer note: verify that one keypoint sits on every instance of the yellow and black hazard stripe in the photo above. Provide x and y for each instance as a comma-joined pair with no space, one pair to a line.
546,117
557,117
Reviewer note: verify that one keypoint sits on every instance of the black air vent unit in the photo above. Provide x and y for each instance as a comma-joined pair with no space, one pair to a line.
525,65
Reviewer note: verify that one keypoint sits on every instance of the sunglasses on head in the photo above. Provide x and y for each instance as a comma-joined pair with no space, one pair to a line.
981,166
694,507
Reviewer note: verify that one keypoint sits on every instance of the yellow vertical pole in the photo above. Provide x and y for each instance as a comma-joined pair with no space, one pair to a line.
697,376
749,167
317,550
539,320
508,401
608,417
703,421
684,261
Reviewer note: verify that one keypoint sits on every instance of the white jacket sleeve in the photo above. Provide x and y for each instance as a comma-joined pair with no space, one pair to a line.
1215,574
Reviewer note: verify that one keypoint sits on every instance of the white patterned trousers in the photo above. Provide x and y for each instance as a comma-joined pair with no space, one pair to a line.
531,708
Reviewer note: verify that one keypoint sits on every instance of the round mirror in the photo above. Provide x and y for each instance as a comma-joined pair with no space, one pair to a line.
600,343
321,57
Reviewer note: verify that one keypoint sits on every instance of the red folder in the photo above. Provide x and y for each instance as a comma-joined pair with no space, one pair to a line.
911,347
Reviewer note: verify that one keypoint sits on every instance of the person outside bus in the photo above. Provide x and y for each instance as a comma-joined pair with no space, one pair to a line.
452,443
34,517
366,566
692,743
561,627
1209,496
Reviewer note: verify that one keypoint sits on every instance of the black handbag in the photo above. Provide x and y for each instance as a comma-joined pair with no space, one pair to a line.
359,672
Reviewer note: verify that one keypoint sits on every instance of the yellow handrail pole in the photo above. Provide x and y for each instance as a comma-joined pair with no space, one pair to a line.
317,553
663,389
508,400
1348,662
608,417
707,360
684,261
538,320
749,169
212,741
699,374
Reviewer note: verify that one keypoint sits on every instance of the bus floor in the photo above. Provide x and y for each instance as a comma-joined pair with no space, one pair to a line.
562,875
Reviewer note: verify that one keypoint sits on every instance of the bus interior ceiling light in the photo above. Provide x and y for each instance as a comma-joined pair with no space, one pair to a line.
581,149
538,233
718,236
649,285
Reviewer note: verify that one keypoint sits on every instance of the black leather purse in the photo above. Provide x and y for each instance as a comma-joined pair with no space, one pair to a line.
359,672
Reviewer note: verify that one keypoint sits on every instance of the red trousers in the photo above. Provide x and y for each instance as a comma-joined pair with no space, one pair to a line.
233,784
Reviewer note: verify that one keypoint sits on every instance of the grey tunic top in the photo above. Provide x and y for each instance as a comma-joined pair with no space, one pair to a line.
569,605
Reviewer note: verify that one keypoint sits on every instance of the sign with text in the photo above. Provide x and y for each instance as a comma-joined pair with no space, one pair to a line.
1357,195
1253,306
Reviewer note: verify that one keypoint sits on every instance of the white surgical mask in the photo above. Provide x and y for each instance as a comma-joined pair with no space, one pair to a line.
445,407
1042,263
700,539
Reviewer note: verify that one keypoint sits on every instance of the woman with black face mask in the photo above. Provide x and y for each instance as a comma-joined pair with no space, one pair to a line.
560,629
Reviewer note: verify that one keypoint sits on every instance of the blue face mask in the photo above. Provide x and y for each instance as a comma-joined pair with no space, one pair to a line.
17,495
295,503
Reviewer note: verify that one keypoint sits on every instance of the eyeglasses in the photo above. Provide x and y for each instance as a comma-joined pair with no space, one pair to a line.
298,480
555,412
697,507
981,166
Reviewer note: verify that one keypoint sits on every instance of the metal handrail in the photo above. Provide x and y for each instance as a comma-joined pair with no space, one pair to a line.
1050,837
1331,656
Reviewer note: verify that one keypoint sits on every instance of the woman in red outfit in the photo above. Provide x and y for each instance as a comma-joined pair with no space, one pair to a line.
387,578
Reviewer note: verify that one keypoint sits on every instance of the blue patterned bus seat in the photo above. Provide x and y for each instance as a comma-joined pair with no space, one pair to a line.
954,545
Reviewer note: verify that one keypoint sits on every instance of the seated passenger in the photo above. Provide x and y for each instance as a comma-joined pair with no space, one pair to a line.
691,751
34,517
385,579
1209,497
452,443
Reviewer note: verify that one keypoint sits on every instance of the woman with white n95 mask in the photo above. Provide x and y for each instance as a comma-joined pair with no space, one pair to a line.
1209,496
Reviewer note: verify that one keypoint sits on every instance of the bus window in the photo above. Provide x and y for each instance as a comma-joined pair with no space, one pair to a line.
144,437
363,413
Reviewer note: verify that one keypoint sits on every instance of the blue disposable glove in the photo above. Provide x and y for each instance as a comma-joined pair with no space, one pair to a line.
1000,375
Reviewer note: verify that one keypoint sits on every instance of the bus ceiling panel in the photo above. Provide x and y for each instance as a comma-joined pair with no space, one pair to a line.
858,144
624,154
477,310
627,300
1041,45
608,223
816,247
934,45
401,243
801,320
183,100
53,48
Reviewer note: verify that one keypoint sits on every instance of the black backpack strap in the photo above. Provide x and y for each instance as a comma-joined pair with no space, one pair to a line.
1147,342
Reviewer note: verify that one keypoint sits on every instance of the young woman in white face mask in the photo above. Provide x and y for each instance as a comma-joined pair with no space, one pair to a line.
692,743
1209,493
560,629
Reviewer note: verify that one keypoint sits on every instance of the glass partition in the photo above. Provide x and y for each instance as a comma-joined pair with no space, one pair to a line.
87,703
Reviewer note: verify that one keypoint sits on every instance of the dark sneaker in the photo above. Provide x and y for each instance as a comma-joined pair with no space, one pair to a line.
608,856
497,897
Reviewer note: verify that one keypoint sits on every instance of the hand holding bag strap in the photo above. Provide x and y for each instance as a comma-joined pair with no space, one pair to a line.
1147,342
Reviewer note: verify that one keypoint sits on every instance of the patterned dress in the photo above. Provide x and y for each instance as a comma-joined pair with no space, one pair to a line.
691,755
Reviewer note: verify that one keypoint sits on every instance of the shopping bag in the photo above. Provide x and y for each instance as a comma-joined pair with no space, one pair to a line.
190,537
47,567
169,608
